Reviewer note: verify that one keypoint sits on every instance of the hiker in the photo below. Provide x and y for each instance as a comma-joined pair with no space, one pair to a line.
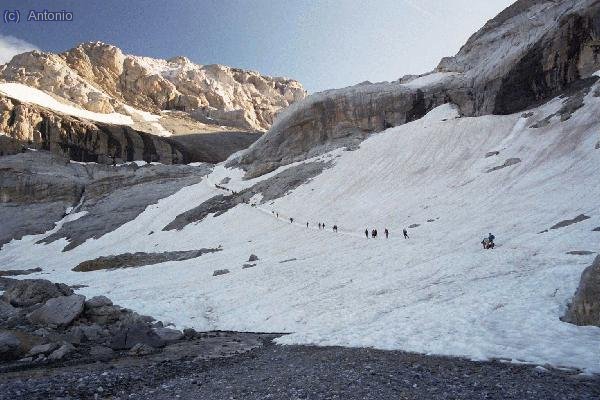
405,232
319,225
307,224
367,233
374,233
291,220
488,242
335,228
387,233
276,215
323,226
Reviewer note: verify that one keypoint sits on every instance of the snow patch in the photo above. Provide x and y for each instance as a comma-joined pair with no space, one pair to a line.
28,94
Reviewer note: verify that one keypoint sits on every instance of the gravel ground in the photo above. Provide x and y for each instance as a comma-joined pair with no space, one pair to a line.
218,371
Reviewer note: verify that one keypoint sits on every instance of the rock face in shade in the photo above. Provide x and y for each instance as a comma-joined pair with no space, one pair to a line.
29,125
585,306
529,53
33,200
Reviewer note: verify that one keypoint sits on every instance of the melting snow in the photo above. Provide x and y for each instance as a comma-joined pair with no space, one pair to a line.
31,95
437,293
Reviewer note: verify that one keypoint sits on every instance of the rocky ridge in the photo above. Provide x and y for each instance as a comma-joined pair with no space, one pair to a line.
100,78
529,53
33,200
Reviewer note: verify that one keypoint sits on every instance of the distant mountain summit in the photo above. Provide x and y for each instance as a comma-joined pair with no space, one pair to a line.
100,78
95,84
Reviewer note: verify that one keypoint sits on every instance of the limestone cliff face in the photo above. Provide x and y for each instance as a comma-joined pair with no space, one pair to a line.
529,53
26,125
100,78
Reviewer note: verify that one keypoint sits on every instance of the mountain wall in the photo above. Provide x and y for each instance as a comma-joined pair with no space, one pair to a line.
529,53
100,78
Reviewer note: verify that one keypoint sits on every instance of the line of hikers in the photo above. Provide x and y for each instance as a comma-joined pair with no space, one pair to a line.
487,242
321,225
386,232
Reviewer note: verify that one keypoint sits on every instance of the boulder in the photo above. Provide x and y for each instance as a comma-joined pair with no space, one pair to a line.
98,301
61,352
127,336
104,315
75,335
141,349
102,353
7,311
92,333
168,334
252,258
189,333
247,265
58,311
220,272
28,292
42,349
10,346
585,306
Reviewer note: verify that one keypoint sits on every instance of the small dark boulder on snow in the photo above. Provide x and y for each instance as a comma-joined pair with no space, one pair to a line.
567,222
253,257
491,154
246,266
220,272
596,229
585,306
414,225
58,311
507,163
17,272
28,292
580,252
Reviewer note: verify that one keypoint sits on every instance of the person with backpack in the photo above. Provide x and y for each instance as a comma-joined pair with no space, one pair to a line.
405,232
387,233
335,228
374,233
307,224
367,233
291,220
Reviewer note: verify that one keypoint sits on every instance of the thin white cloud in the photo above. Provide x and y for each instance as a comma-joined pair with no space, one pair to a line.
419,9
11,46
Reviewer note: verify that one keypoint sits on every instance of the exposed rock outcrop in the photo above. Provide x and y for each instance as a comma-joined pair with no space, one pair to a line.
129,260
66,326
28,292
82,140
100,78
32,200
529,53
585,306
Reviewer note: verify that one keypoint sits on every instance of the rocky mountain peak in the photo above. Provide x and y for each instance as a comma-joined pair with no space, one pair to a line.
99,77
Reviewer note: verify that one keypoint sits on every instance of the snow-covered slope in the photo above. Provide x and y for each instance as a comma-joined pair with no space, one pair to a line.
437,292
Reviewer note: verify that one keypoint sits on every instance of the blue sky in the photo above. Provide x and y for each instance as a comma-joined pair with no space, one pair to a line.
323,44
